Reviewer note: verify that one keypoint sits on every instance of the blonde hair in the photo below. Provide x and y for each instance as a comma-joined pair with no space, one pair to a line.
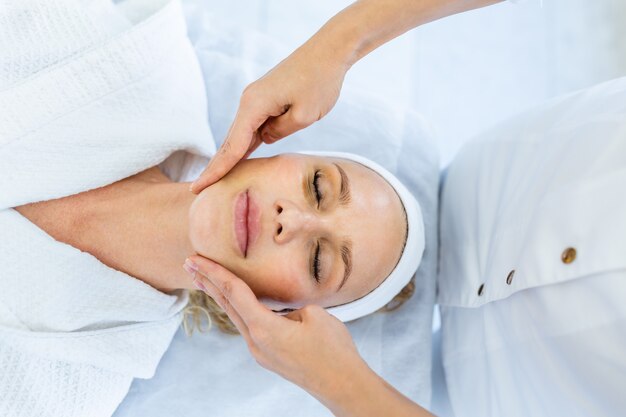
202,308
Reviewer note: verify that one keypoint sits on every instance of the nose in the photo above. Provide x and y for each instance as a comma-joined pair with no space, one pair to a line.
291,220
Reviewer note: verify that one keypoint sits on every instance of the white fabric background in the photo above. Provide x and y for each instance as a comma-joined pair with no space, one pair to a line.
463,74
466,72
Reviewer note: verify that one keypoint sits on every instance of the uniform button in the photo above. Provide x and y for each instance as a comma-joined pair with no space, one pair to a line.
480,289
568,256
509,278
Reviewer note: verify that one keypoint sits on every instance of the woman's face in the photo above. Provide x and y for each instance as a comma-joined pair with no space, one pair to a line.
301,229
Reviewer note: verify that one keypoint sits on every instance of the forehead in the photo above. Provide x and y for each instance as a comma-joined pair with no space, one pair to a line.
375,223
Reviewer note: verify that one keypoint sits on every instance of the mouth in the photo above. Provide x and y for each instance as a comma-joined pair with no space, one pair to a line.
254,221
246,221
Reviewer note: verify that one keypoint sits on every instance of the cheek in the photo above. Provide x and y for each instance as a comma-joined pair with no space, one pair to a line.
198,232
200,227
277,280
199,236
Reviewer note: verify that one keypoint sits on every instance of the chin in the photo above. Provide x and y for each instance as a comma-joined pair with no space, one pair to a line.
205,233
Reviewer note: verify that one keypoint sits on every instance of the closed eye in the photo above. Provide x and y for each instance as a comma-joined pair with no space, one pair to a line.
316,188
316,263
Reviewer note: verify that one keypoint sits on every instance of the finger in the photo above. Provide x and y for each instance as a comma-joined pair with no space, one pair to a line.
227,156
237,143
210,289
276,128
255,144
235,292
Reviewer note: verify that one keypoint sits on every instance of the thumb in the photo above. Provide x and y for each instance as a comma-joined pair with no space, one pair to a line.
238,143
276,128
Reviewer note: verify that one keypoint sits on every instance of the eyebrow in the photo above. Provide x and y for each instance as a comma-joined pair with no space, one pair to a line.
344,190
346,257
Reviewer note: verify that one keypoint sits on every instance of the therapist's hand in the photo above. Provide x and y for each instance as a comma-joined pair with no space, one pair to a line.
299,91
305,86
309,347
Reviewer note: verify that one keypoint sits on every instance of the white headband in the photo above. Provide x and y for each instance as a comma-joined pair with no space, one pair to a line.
411,256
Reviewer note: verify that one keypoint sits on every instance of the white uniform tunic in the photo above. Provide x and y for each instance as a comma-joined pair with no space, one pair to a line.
532,281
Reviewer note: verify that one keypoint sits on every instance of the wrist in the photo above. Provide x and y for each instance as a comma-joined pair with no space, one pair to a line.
333,47
345,37
331,385
366,24
343,392
357,390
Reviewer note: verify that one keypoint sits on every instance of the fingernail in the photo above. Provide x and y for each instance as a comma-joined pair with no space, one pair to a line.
191,264
189,269
199,285
192,186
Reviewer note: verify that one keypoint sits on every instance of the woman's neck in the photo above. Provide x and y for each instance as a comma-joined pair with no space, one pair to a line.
142,229
138,225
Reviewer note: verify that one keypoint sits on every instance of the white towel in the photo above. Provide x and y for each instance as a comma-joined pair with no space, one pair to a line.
100,112
88,95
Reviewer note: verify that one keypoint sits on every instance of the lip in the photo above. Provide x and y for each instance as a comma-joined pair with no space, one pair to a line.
253,222
240,220
246,221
